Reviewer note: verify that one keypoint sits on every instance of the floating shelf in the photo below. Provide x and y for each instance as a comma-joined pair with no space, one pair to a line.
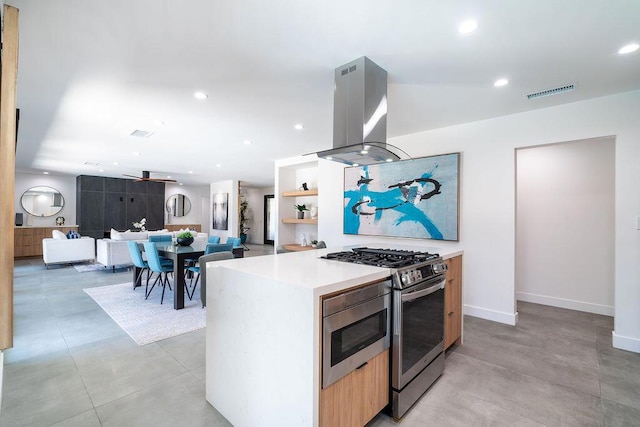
299,221
312,192
295,247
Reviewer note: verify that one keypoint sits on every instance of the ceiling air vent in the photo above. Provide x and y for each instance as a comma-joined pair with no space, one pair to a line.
554,91
141,133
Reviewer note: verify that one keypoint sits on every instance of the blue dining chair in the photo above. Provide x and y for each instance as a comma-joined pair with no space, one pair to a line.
220,247
138,261
235,241
156,266
214,239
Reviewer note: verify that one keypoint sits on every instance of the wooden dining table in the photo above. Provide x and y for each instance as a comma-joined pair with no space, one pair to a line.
179,255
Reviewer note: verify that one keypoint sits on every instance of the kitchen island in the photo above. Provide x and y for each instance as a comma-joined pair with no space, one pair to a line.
263,352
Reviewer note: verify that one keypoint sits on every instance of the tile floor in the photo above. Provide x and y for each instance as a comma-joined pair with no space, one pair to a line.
71,365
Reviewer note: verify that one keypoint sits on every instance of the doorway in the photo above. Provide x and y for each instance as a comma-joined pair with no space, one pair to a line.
565,218
269,219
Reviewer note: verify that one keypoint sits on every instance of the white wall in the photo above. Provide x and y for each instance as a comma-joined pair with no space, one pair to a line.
195,195
231,188
66,185
565,225
487,199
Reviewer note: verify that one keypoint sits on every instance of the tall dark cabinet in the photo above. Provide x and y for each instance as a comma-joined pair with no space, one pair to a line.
106,203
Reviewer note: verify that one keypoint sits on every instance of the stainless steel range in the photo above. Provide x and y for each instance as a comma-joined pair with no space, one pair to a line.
417,340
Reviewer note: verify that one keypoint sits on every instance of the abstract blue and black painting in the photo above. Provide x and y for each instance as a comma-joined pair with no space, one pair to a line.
415,198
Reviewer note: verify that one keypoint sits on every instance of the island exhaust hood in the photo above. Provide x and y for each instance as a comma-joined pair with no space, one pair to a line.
360,115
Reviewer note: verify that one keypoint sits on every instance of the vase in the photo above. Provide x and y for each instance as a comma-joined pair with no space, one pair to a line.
184,241
300,214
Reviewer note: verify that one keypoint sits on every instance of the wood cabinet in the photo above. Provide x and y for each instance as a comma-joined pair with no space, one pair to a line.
27,241
453,302
359,396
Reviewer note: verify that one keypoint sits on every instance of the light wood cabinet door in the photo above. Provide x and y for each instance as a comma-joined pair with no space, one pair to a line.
358,397
453,302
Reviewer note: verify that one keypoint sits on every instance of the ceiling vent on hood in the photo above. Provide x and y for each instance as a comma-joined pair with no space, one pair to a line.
360,115
553,91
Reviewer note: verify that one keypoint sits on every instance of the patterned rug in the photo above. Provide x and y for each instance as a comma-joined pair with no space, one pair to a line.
147,321
91,266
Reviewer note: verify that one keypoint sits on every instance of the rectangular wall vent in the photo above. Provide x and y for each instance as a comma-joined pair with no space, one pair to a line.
554,91
141,133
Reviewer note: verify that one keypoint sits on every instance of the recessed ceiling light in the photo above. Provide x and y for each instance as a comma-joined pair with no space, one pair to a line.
190,172
299,126
501,82
46,173
248,142
329,158
179,183
100,170
218,165
200,95
355,164
168,176
389,160
116,164
467,26
364,152
631,47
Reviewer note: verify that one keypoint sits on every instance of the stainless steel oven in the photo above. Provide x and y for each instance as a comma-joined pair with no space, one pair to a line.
355,328
418,341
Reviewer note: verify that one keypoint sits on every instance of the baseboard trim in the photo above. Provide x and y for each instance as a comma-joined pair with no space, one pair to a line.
625,343
493,315
588,307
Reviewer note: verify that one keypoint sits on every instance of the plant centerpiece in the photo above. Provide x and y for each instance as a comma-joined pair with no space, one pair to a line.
244,219
185,238
301,209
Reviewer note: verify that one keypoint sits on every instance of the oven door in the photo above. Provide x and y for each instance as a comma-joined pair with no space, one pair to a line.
418,329
353,336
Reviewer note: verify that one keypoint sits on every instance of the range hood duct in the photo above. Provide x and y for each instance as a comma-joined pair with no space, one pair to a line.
360,115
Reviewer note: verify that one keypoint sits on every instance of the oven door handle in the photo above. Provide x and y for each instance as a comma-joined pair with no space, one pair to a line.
417,294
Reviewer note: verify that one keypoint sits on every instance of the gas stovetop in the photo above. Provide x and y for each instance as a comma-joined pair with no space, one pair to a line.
389,258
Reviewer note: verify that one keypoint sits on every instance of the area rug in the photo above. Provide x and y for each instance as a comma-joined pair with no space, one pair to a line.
85,267
147,321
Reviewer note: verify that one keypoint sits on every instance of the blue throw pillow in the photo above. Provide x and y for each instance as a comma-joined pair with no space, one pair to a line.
71,234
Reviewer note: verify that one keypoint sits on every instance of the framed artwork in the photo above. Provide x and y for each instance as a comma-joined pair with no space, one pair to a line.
415,198
221,211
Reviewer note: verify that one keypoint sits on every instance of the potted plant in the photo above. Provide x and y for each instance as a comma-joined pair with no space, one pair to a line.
301,209
185,238
244,219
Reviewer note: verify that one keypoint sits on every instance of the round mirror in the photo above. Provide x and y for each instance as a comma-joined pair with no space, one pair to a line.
178,205
42,201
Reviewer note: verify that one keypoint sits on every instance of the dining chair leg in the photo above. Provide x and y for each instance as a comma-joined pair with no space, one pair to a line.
164,283
148,291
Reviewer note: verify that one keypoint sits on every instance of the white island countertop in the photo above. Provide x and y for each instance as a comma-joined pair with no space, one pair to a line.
263,332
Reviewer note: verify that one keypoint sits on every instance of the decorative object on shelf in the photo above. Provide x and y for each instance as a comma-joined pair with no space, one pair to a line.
185,238
314,212
140,225
303,240
314,243
411,198
304,187
60,220
301,209
221,211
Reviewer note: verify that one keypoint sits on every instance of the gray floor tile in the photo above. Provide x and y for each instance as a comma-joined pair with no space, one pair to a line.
86,327
42,390
85,419
617,415
116,367
183,404
188,349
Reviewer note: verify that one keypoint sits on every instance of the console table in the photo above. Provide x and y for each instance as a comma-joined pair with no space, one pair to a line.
27,240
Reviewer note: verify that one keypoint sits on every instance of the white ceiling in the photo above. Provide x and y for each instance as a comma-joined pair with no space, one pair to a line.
93,71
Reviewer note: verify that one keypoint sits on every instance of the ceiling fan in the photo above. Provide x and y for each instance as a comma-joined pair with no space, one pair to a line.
145,177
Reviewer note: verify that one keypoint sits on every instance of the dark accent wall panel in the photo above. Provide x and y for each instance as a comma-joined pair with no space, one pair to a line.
155,211
115,211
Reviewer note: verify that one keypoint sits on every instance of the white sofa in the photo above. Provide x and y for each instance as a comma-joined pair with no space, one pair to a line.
55,251
115,251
